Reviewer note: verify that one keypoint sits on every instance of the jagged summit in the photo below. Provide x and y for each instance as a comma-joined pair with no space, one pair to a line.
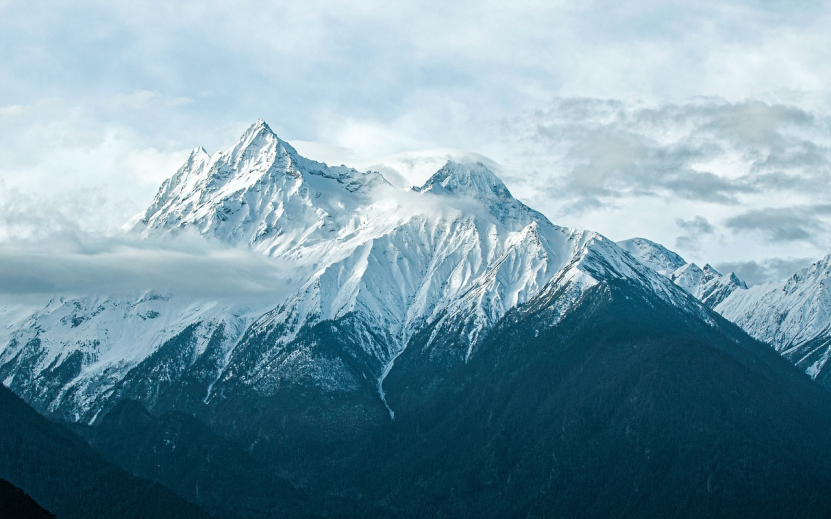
793,315
196,154
819,270
259,127
707,284
259,136
258,190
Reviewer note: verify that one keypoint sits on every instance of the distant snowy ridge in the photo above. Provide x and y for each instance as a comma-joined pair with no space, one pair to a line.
792,315
706,284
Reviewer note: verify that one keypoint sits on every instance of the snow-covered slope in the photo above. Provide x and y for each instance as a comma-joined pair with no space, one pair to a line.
706,284
653,255
377,263
793,315
73,352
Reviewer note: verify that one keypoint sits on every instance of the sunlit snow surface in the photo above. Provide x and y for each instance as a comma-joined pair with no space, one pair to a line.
459,250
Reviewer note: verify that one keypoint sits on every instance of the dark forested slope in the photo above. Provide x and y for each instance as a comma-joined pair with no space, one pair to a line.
15,503
627,408
65,475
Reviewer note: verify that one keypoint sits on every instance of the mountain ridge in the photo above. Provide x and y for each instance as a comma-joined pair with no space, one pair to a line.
459,250
440,350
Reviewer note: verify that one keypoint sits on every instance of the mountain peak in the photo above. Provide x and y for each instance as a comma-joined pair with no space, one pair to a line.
705,283
471,179
732,278
257,131
824,264
197,156
260,136
243,194
259,126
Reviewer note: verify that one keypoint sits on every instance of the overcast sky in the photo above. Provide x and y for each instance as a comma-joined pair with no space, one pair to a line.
702,125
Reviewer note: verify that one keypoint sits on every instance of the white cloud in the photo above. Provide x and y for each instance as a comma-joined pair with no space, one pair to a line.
60,156
149,167
10,110
405,169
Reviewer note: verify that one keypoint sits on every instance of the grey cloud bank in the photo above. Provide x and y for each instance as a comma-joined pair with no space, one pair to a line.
694,231
613,148
68,264
788,224
757,272
719,179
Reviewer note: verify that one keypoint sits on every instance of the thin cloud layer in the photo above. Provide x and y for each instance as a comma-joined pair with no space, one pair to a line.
785,224
72,264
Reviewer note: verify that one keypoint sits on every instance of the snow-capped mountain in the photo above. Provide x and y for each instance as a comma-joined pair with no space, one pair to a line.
264,195
793,315
73,351
653,255
446,335
706,284
379,263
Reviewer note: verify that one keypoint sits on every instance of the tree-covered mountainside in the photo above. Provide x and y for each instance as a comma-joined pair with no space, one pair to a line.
627,408
15,503
66,476
180,452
